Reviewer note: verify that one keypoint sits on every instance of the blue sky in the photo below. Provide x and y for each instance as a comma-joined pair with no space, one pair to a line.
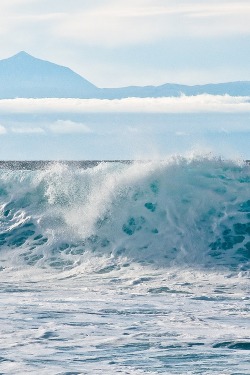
134,42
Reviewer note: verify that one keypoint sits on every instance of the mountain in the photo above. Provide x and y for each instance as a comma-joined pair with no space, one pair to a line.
241,88
25,76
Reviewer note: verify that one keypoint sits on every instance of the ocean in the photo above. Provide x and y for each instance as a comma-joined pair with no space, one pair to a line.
125,267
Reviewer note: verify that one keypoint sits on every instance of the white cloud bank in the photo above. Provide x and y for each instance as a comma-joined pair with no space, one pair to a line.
2,130
57,127
68,127
184,104
26,130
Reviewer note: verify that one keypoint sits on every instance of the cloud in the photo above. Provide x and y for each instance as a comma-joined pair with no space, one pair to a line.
27,130
2,130
118,22
181,134
183,104
132,22
68,127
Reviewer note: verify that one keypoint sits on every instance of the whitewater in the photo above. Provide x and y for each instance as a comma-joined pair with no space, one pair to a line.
125,267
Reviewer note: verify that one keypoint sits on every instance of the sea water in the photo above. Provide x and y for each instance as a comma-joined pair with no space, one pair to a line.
125,268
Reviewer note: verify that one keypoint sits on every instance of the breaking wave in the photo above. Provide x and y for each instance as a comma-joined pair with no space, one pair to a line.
191,212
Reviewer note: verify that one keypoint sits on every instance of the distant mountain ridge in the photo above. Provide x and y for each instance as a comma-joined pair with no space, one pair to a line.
25,76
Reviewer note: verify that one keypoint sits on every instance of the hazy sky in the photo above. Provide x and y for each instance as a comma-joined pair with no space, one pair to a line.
131,128
117,42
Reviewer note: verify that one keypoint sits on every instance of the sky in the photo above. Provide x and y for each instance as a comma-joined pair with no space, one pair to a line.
115,43
131,128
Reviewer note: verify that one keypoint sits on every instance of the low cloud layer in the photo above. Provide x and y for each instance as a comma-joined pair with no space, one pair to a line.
68,127
2,130
59,127
184,104
26,130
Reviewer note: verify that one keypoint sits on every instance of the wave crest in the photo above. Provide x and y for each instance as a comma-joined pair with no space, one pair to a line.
182,211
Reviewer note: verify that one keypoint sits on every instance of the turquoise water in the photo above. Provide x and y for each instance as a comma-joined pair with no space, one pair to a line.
131,268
